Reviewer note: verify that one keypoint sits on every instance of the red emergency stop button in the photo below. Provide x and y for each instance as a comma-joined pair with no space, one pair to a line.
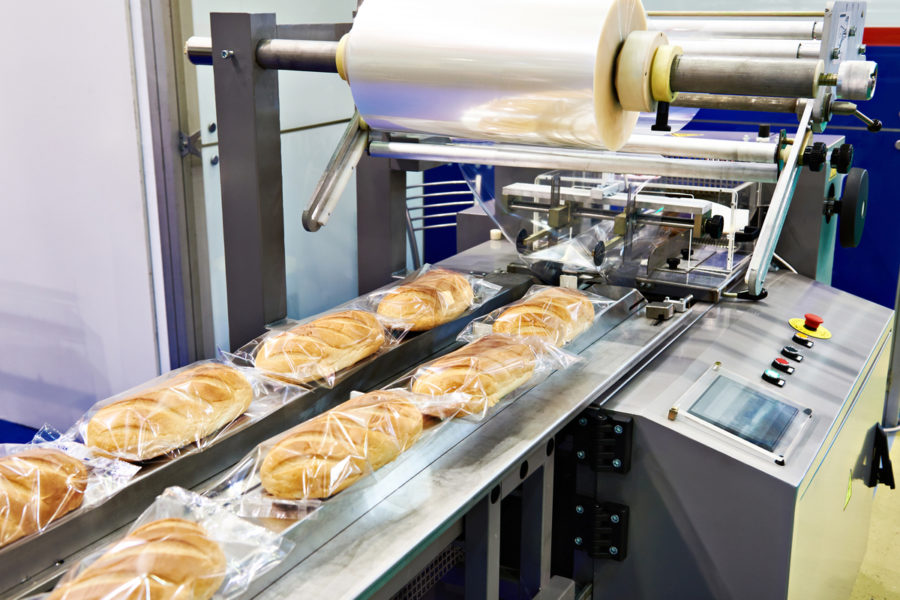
812,321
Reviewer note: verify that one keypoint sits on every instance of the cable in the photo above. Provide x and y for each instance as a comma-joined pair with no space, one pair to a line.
785,263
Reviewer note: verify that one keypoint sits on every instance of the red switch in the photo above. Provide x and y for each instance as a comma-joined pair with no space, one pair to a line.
812,321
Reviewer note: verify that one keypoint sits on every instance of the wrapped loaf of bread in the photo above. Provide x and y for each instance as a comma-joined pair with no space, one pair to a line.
36,487
322,347
556,314
162,560
436,297
327,454
479,374
185,408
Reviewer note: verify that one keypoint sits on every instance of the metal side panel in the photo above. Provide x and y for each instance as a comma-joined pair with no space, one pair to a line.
451,475
831,521
35,560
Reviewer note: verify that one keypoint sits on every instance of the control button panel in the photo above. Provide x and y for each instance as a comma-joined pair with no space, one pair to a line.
772,376
792,352
783,365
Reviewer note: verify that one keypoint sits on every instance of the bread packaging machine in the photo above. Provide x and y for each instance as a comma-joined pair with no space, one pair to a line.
720,436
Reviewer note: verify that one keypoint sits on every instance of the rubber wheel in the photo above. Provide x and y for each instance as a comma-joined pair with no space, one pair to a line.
599,253
853,207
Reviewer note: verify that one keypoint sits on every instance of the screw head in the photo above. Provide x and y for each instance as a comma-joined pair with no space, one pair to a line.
897,144
226,54
579,509
836,53
214,160
582,421
613,550
614,518
616,463
578,541
618,429
861,49
580,454
211,127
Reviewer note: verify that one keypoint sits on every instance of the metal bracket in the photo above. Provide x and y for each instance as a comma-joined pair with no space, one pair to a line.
603,440
189,144
601,528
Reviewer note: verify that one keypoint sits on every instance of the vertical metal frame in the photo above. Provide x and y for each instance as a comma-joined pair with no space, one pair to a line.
380,221
247,111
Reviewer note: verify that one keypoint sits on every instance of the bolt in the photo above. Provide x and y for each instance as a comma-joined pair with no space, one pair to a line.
579,509
613,550
226,54
582,421
616,463
214,160
618,429
852,31
211,127
861,49
580,454
578,541
614,518
836,53
897,144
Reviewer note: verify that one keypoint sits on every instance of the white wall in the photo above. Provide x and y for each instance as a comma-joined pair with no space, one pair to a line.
321,267
77,318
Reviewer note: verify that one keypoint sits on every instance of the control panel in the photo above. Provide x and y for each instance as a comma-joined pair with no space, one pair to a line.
792,354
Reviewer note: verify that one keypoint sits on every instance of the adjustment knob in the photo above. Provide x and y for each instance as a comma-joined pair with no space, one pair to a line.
842,158
714,226
673,262
814,156
812,321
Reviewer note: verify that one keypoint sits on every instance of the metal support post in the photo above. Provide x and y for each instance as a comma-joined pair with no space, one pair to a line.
250,155
380,221
482,528
537,518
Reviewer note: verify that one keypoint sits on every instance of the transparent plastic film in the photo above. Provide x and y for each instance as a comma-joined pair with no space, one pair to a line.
182,546
429,297
558,315
469,381
50,477
185,409
314,352
544,77
290,475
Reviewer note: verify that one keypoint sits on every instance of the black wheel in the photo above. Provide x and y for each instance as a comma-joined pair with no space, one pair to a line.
853,207
599,253
520,240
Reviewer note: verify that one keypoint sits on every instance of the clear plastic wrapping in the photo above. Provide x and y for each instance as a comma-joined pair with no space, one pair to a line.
289,475
429,297
556,314
313,352
187,408
49,478
182,546
474,378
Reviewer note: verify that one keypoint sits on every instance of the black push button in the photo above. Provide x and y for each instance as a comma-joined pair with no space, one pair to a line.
803,340
783,365
792,353
773,377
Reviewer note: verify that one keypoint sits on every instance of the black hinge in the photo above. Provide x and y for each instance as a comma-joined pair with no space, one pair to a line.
603,440
880,469
601,528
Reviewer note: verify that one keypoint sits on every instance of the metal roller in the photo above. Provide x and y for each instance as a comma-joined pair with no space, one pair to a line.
746,76
678,29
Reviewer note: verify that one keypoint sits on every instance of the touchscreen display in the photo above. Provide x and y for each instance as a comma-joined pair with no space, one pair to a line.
744,412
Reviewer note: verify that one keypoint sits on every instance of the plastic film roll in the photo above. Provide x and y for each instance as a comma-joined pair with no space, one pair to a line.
529,72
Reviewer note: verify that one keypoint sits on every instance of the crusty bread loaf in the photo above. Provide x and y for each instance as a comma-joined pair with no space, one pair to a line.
327,454
183,409
322,347
481,372
436,297
554,313
36,487
162,560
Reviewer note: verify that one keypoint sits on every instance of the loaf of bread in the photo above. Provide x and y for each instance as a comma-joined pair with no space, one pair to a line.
480,373
36,487
436,297
322,347
554,313
327,454
162,560
183,409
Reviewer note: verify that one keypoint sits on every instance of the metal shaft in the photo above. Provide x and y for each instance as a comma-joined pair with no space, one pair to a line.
730,102
286,55
757,152
576,160
746,76
751,47
677,29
